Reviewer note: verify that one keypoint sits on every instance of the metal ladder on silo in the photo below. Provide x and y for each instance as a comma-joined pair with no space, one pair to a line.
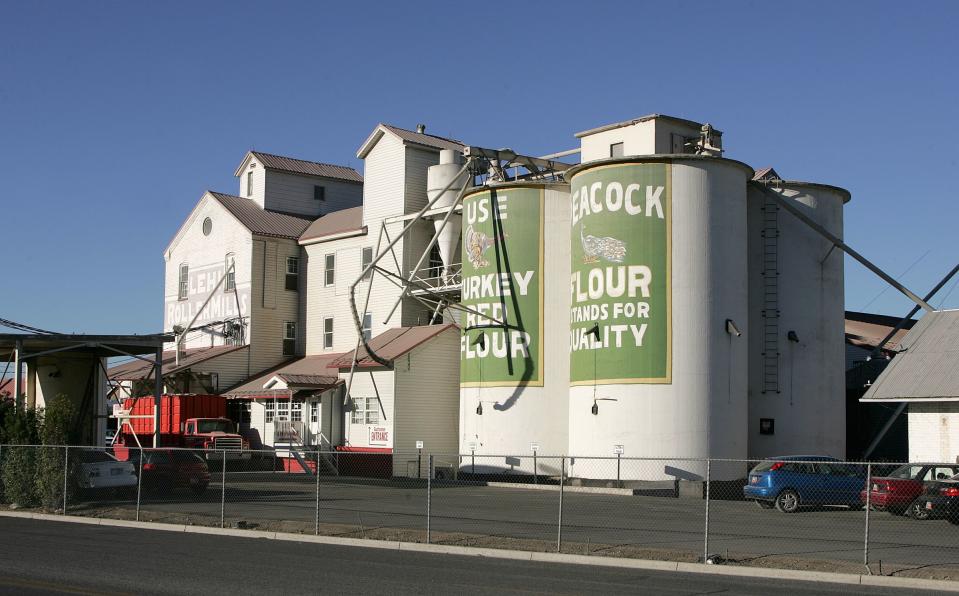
770,275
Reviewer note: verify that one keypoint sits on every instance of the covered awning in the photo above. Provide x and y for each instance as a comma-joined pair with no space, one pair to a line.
303,376
137,370
391,344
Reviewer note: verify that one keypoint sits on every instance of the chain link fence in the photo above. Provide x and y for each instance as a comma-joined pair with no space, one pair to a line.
800,513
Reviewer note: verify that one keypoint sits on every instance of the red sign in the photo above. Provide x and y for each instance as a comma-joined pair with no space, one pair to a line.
379,435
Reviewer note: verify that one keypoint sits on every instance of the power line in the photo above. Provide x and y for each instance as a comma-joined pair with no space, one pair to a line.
24,327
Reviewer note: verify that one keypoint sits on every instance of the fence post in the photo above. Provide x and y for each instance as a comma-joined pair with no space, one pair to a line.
865,553
429,496
66,474
316,521
706,540
562,483
139,483
535,470
223,490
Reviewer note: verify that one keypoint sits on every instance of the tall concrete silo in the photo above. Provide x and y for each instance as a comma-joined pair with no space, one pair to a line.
658,357
796,304
514,381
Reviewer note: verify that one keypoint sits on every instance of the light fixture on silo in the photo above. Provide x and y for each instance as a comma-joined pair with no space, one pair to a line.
732,329
791,336
479,409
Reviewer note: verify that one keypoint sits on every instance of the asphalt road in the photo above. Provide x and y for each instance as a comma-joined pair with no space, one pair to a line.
42,557
737,529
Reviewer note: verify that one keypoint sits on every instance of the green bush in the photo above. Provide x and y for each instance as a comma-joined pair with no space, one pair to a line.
56,431
18,469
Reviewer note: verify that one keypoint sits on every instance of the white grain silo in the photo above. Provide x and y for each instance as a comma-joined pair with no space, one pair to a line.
796,304
514,381
658,354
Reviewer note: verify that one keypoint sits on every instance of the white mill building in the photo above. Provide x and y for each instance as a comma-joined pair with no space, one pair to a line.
655,296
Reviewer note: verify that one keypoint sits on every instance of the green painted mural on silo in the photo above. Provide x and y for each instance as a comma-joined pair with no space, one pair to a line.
620,318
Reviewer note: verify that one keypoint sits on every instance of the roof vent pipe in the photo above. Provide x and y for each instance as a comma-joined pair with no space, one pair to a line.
421,128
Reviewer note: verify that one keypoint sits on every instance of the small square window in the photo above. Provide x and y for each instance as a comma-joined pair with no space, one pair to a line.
367,326
319,193
767,426
616,150
230,267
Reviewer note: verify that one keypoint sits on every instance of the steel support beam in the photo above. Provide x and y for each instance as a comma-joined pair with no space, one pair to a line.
18,372
157,395
798,214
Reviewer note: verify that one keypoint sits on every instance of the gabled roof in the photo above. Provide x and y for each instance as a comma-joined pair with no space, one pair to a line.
136,369
300,166
334,224
605,127
309,372
262,221
766,174
925,367
391,344
408,136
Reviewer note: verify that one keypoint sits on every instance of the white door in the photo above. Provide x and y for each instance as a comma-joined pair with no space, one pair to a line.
315,413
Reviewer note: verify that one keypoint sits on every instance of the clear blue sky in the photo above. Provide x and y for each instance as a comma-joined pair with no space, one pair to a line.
116,116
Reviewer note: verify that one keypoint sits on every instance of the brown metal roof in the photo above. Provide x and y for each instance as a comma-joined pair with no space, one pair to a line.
866,330
391,344
309,372
262,221
337,222
310,168
136,370
424,139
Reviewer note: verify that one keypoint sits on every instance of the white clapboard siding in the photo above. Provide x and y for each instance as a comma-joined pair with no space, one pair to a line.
200,252
427,399
291,193
383,186
268,324
358,435
417,163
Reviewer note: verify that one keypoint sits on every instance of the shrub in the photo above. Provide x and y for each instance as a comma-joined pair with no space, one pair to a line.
56,431
18,469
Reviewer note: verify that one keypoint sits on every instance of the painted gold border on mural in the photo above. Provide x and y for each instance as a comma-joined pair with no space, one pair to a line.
668,379
540,356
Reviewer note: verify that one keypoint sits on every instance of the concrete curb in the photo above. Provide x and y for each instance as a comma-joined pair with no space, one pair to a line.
651,565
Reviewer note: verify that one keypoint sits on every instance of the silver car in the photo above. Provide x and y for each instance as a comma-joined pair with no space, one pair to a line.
100,470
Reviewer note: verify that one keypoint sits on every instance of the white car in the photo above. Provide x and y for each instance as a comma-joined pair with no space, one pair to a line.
100,470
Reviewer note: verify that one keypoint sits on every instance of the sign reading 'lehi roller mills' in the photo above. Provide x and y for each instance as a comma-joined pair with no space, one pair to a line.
620,275
502,271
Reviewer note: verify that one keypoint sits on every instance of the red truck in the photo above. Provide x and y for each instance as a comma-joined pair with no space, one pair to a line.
186,420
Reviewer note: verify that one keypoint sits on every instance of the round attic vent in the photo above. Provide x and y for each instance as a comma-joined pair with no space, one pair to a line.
207,226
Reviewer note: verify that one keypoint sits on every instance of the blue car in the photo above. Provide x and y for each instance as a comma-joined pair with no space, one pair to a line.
788,483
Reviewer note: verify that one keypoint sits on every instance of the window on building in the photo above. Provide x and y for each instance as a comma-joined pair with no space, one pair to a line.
282,409
319,193
367,259
329,270
269,412
328,333
315,412
230,267
289,338
292,273
366,410
616,150
184,289
367,326
296,411
249,183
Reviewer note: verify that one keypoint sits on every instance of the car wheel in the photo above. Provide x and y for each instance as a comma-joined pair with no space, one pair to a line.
787,501
953,519
765,504
917,510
